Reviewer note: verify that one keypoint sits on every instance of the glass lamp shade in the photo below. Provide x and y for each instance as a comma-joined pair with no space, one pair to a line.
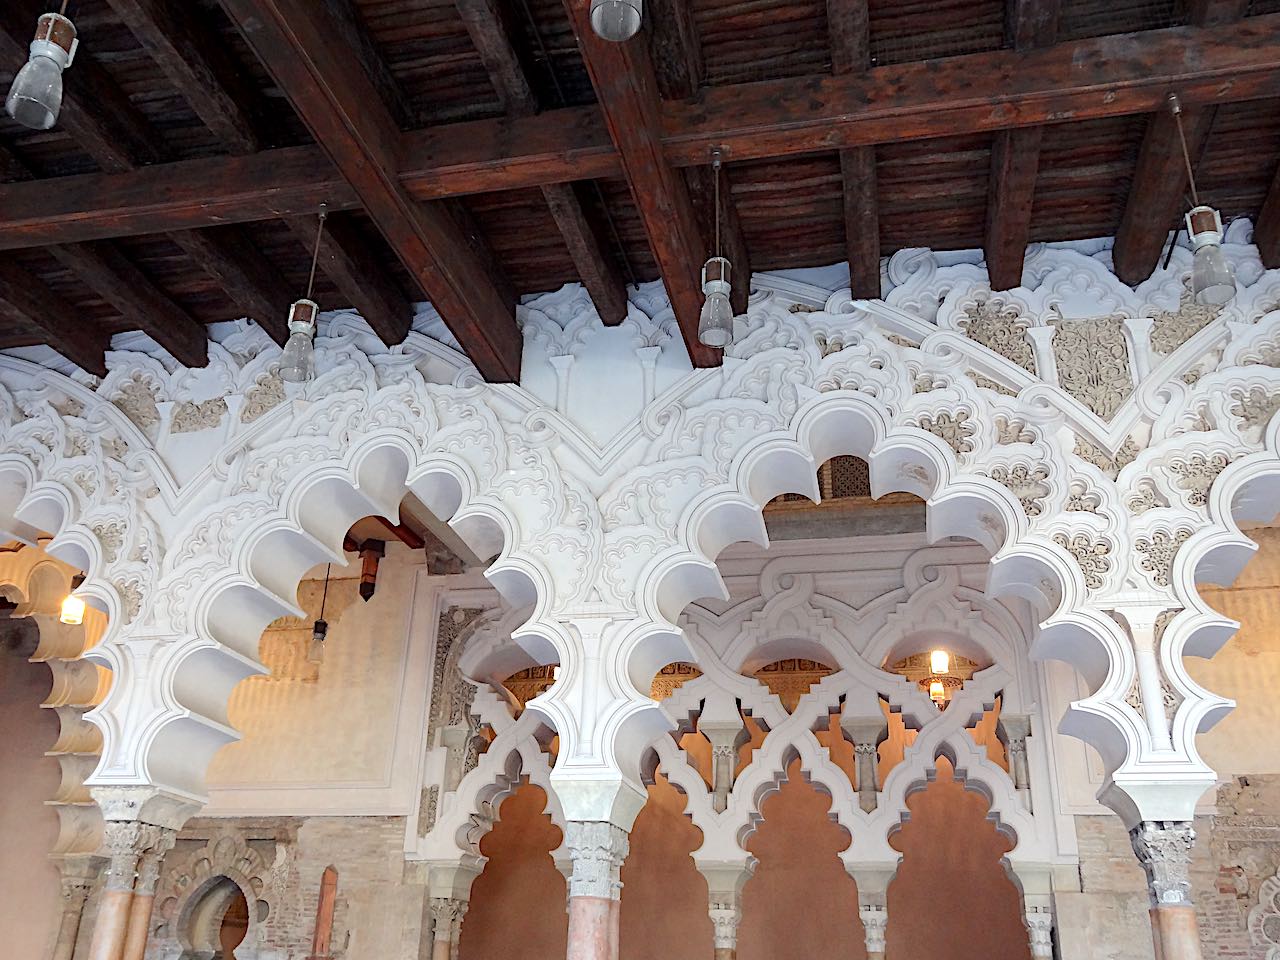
616,20
1213,282
715,324
298,361
315,652
35,98
72,612
36,95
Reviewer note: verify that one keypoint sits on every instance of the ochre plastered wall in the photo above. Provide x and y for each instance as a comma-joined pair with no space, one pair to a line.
29,893
1247,668
518,902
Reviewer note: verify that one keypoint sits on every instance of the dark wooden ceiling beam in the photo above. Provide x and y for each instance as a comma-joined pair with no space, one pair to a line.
1015,156
27,300
676,49
197,66
849,27
623,78
302,45
230,257
1157,194
106,270
345,258
486,22
1266,232
1080,80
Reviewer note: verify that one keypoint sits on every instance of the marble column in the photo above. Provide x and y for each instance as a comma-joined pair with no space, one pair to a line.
446,926
124,842
1164,849
724,902
144,893
1016,731
78,874
1038,914
598,849
872,881
865,734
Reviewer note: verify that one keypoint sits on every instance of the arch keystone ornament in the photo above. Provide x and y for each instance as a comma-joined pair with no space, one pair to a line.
1116,493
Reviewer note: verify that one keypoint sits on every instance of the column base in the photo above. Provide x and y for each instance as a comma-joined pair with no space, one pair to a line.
1176,932
591,928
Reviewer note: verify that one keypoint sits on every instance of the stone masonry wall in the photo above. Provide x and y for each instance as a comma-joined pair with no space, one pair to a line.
1236,851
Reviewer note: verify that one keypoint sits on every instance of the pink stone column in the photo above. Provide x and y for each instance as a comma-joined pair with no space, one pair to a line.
597,849
144,895
124,843
77,880
1164,849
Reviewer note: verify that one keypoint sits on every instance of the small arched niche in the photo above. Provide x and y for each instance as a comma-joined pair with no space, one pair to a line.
216,924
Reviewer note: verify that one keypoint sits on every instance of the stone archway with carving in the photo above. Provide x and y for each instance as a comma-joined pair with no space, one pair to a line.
196,499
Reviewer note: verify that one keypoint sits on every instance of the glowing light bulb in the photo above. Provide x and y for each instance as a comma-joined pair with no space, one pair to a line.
72,610
939,662
937,692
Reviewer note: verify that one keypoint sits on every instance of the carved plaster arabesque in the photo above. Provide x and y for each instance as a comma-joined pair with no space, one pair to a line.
1028,484
191,417
1158,551
1091,555
1092,360
1000,328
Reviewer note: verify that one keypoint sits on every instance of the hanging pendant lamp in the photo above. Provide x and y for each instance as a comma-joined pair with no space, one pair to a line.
35,98
715,324
298,361
1213,281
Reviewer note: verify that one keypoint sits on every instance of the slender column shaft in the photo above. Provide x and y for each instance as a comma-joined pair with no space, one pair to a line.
446,923
598,849
124,841
75,890
144,896
1164,849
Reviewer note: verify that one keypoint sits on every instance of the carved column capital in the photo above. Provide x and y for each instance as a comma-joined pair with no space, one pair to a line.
1039,921
726,914
152,859
446,918
598,849
1164,850
875,921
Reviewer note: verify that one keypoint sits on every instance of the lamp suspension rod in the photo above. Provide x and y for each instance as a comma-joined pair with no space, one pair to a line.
324,596
315,258
715,166
1175,106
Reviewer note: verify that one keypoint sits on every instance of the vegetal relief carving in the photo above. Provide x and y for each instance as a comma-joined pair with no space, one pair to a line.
138,402
266,394
1158,550
1108,464
957,433
1081,499
189,417
1256,406
1092,555
1145,498
1196,473
1010,430
1171,329
1028,484
1092,358
1002,328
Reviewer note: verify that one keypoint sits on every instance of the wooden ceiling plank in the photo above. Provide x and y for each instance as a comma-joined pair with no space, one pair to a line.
490,33
95,111
197,66
1015,156
1158,191
231,258
361,277
106,270
1266,232
28,299
303,47
623,78
849,26
1075,81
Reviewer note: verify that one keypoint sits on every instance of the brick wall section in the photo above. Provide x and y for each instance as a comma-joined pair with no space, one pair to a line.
1236,850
